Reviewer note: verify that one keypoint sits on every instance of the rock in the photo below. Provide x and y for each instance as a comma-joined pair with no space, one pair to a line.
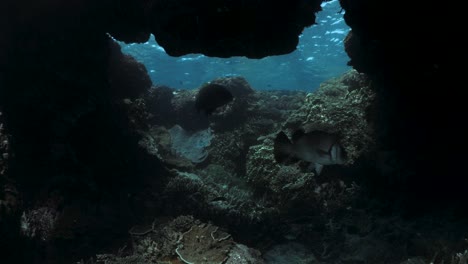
226,28
127,77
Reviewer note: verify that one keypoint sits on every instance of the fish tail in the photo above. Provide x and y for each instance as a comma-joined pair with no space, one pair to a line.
282,147
336,154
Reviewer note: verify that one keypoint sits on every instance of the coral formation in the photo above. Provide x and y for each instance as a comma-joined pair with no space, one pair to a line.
184,240
260,162
228,149
341,106
292,189
204,243
190,146
217,194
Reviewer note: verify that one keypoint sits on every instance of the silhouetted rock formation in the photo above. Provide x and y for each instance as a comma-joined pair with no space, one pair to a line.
417,67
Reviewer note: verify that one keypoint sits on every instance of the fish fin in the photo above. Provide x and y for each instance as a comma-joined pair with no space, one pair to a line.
297,135
282,147
335,153
318,168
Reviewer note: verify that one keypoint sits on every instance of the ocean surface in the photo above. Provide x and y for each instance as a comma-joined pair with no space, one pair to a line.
319,56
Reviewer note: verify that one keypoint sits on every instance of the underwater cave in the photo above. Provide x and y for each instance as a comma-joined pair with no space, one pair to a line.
183,131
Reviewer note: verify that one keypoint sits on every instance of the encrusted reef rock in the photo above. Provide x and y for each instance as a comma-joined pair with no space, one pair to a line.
239,165
216,193
217,180
184,240
293,190
171,107
237,85
231,129
343,106
260,161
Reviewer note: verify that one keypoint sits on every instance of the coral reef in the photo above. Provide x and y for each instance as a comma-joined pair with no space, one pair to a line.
184,240
241,174
235,127
74,148
215,194
296,192
204,243
190,146
228,150
341,106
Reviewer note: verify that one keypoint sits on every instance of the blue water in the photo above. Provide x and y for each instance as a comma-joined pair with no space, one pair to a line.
319,56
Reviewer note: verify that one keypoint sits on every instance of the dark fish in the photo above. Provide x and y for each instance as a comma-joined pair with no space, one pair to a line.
317,147
212,96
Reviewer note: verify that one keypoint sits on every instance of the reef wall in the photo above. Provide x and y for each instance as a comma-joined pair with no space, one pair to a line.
412,56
